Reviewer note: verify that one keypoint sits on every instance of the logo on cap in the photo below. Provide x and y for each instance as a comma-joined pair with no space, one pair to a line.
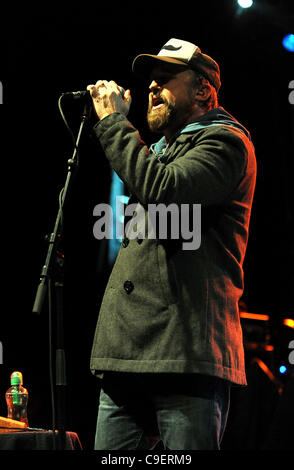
170,47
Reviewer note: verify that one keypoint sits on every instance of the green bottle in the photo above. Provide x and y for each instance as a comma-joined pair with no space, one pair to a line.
17,399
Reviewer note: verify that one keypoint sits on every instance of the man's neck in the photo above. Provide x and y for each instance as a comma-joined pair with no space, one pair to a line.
170,131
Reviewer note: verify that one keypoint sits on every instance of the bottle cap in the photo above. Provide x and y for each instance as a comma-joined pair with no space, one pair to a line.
16,378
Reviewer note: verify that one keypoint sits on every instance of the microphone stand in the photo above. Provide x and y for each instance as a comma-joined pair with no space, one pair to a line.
50,278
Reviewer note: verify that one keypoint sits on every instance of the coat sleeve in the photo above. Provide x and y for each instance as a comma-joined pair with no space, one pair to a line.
206,174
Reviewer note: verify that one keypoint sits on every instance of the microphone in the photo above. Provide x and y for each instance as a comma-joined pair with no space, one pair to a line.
77,95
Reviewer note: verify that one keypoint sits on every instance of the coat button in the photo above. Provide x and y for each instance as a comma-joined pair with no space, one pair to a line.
128,286
125,242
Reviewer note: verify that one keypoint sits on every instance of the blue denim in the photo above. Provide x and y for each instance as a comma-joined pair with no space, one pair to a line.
135,414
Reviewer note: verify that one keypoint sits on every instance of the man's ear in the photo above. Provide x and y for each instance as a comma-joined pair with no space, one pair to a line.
202,93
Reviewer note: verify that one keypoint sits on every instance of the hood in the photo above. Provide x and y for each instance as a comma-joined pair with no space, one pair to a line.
215,117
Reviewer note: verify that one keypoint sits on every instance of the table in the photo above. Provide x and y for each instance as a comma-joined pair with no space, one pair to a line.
39,440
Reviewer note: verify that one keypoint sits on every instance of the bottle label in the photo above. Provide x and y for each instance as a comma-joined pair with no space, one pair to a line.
15,397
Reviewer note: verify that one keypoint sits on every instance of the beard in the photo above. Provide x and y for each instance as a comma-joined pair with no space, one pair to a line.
160,118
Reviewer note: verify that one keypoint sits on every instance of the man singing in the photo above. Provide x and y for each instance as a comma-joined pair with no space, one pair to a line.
168,343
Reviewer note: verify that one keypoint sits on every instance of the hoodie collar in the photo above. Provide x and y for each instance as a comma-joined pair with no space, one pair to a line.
215,117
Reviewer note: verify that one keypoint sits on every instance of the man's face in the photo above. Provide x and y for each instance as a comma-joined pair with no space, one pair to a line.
171,99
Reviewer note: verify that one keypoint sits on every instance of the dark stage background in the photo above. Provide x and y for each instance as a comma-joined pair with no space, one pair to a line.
63,49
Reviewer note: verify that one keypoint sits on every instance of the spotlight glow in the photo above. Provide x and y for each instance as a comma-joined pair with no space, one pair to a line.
288,42
283,369
245,3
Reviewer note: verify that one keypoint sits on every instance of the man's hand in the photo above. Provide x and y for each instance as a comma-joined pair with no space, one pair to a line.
107,98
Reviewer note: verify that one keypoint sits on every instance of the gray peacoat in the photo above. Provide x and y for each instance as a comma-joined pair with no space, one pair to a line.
167,309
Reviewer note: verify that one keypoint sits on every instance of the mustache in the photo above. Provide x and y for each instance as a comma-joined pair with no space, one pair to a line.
156,97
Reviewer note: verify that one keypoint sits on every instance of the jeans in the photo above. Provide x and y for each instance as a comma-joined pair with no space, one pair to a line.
184,412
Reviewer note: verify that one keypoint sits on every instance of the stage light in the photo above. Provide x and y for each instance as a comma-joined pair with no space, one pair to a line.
245,3
288,42
282,369
288,322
